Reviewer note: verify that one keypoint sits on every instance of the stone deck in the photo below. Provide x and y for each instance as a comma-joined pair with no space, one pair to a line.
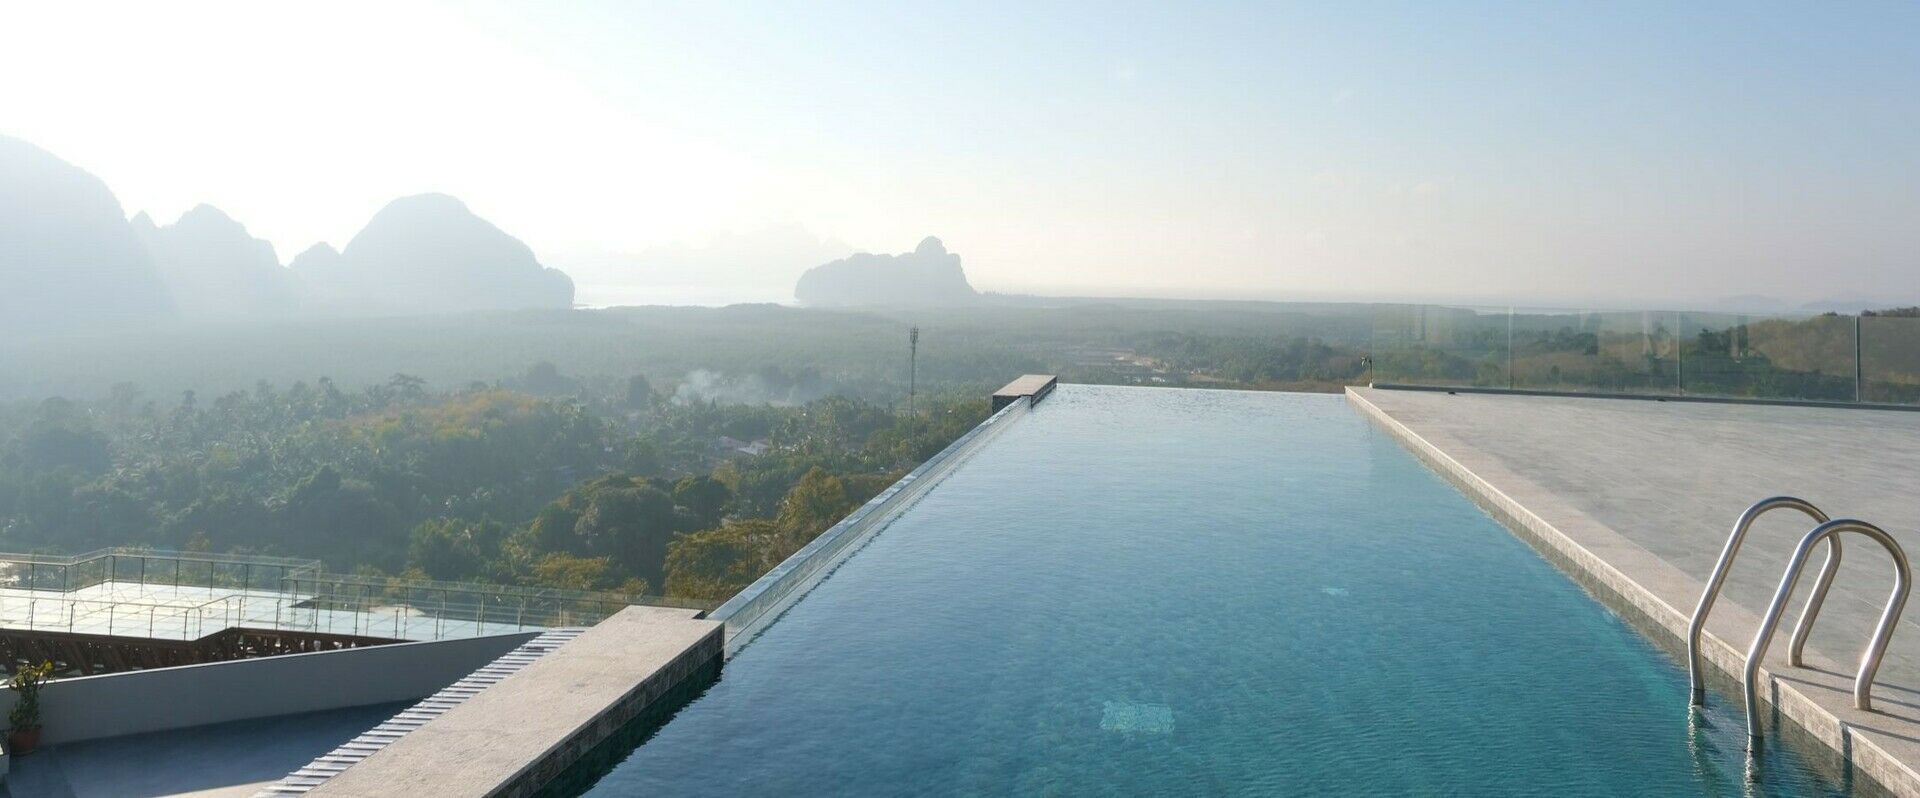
511,738
1637,497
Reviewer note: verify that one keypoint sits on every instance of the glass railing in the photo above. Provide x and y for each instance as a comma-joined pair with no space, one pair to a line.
189,595
1872,359
147,567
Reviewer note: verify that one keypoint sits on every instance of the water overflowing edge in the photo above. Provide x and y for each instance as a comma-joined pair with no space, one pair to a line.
754,608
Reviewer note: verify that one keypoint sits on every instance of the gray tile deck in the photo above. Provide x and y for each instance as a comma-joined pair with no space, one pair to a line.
1647,491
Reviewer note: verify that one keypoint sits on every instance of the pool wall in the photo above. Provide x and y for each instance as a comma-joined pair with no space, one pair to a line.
1600,559
754,607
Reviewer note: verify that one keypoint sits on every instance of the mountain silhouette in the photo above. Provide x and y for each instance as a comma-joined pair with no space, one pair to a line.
68,257
929,275
71,260
215,269
430,254
321,257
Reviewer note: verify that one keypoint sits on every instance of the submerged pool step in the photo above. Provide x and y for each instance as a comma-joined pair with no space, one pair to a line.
372,741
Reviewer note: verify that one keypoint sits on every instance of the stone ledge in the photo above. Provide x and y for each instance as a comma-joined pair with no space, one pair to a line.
1031,386
514,737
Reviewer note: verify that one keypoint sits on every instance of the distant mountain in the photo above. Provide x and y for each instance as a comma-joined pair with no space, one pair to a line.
430,254
68,257
929,275
319,258
1853,305
215,270
71,260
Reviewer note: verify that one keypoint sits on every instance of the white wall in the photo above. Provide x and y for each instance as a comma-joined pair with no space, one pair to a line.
92,707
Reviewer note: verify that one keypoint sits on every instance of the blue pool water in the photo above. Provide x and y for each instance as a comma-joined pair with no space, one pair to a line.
1150,591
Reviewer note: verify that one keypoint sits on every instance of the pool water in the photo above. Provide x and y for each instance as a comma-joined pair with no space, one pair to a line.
1154,591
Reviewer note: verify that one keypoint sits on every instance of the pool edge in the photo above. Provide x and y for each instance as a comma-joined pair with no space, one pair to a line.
756,606
1644,609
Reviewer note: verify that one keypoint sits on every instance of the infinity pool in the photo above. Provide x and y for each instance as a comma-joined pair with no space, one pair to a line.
1154,591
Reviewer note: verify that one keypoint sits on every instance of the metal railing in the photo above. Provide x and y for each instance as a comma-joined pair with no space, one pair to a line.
144,566
1867,359
1883,632
1804,627
187,595
460,605
107,617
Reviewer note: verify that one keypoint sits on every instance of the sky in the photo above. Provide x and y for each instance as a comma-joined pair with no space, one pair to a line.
1569,153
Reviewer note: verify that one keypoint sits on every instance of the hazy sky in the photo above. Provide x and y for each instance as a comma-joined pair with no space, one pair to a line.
1540,151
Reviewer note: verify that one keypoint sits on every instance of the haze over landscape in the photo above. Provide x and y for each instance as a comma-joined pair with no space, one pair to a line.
642,298
877,398
1494,153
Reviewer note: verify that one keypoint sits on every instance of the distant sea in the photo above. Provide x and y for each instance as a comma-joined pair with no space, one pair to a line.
594,296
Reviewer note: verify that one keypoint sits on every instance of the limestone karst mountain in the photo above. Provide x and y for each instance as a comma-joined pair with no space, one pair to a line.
68,257
929,275
215,269
428,254
70,260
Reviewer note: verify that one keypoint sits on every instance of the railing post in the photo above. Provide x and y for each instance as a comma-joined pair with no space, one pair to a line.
1859,393
1680,355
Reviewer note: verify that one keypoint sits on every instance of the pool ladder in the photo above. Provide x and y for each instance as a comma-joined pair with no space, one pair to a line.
1828,531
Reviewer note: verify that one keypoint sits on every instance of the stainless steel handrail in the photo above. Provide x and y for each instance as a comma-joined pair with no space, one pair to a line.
1695,674
1876,647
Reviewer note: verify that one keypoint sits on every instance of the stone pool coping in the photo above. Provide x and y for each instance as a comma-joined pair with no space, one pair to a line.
515,736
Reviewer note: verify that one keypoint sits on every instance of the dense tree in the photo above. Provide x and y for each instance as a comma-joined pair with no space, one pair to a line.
639,392
396,478
717,563
704,497
449,548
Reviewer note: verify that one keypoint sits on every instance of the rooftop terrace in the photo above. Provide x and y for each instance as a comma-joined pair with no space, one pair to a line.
1631,497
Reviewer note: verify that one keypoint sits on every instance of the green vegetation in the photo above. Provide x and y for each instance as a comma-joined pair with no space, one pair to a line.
666,450
586,491
27,681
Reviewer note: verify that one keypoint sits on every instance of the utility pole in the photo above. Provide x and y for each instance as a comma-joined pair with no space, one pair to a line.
913,366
